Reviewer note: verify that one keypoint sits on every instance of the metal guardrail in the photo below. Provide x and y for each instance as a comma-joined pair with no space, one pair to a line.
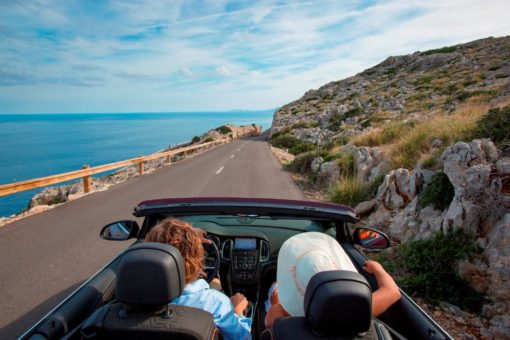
86,172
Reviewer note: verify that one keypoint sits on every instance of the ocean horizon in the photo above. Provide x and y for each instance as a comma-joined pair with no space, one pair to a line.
37,145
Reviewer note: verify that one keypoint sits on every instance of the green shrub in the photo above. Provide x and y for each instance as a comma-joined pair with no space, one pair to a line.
284,141
327,156
346,163
342,140
208,139
495,125
195,139
224,129
302,163
302,147
352,112
446,49
284,131
349,191
335,122
427,268
463,95
305,125
423,80
293,144
439,192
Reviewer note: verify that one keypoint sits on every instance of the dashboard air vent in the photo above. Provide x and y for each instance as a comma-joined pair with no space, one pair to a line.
264,251
225,249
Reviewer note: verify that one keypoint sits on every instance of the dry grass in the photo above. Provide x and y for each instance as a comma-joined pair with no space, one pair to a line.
411,141
449,129
383,135
348,191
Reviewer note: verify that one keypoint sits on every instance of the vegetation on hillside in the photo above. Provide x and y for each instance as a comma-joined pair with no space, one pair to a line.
496,126
293,144
412,108
438,193
223,129
411,141
427,268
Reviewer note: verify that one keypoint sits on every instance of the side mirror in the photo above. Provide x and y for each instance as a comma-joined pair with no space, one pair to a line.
120,231
371,239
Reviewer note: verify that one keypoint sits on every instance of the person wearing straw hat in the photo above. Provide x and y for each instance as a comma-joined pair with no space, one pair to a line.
306,254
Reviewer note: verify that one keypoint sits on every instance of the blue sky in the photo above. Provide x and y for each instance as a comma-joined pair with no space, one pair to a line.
144,56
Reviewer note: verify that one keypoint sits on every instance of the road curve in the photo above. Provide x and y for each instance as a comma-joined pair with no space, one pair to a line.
46,256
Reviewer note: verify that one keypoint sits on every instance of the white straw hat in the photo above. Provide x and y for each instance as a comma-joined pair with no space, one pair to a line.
301,257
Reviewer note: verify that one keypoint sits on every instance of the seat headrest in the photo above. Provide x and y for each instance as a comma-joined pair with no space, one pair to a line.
338,302
150,274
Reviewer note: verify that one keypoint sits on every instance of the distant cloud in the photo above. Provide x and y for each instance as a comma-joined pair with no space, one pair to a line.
156,55
224,71
13,78
186,71
140,76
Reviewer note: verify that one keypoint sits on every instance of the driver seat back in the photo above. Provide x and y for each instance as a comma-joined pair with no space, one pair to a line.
337,305
150,275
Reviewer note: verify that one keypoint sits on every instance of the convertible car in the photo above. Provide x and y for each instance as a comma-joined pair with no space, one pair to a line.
129,297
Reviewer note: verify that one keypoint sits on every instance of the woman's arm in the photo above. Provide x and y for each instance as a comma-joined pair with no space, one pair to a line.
276,311
387,293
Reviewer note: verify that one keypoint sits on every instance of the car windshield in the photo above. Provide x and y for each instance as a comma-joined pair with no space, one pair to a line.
235,221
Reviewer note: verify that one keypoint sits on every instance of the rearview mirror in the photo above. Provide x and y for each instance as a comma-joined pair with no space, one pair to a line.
120,231
371,239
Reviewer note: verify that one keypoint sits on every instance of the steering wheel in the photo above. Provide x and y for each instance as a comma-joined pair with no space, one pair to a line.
211,260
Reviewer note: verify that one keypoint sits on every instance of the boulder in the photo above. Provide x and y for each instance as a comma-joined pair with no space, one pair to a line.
436,143
365,207
380,217
405,223
316,163
503,166
468,166
38,209
329,173
369,162
49,196
398,189
430,222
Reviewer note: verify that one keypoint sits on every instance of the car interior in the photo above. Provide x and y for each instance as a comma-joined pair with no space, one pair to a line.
243,254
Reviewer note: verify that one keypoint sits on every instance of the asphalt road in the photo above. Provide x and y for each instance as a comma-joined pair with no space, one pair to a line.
45,257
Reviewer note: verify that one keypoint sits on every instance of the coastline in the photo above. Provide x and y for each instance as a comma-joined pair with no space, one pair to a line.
55,196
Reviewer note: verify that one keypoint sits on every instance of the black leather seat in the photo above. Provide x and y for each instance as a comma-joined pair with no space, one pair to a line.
338,305
150,275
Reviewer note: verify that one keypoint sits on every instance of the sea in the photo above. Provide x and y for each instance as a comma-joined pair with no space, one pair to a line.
38,145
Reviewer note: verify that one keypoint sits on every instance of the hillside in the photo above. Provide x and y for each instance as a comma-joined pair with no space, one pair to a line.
414,86
419,145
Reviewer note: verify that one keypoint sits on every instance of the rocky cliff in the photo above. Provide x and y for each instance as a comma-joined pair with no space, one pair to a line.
420,145
404,87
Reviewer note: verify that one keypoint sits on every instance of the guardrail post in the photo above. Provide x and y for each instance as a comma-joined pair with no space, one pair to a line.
168,160
140,166
87,180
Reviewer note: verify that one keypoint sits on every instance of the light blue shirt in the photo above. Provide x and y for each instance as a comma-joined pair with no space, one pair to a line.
199,295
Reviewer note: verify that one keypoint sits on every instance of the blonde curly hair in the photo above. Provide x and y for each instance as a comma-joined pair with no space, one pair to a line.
180,234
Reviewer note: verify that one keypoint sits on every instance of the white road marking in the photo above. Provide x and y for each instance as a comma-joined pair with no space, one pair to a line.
232,156
219,170
239,149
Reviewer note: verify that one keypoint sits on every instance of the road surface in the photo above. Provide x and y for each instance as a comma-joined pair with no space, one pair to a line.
45,257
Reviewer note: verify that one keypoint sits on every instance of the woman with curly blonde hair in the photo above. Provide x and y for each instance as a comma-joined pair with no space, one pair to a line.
228,314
